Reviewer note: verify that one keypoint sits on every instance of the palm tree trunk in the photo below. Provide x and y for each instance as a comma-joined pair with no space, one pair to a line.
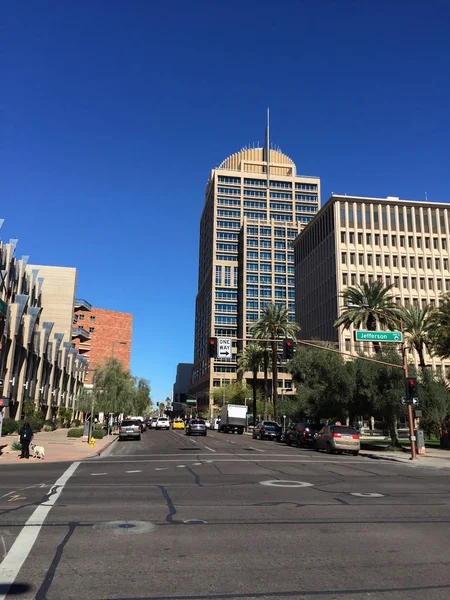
255,383
275,379
266,384
372,326
422,364
393,431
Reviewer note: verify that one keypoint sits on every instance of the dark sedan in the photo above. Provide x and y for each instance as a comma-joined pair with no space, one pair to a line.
301,434
267,430
196,427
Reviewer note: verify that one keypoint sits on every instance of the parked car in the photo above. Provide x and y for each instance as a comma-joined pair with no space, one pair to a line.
196,427
338,438
301,434
130,429
154,421
163,423
267,429
216,424
178,424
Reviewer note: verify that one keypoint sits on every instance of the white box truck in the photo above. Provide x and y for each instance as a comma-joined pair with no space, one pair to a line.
233,418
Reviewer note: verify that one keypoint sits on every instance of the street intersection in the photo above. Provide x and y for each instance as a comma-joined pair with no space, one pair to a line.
226,517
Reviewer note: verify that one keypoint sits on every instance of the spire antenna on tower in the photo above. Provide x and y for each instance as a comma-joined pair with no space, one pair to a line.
268,146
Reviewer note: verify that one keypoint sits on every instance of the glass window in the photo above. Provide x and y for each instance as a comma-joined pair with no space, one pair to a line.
437,263
255,193
227,275
445,264
81,317
395,261
252,254
403,259
419,242
402,241
411,262
281,184
429,266
280,256
385,240
252,266
228,201
264,255
267,267
370,260
234,180
413,283
252,291
91,318
344,279
422,283
229,191
394,240
279,244
352,258
368,238
91,330
420,261
427,242
259,182
378,260
353,279
410,241
444,244
435,243
361,259
377,239
218,275
280,268
386,261
236,271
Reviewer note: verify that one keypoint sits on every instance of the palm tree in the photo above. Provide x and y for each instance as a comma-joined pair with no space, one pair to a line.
250,360
274,322
439,327
369,305
265,363
416,324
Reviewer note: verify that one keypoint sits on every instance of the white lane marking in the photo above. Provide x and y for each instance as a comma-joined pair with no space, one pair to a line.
134,471
286,483
197,464
17,555
384,463
367,495
161,469
93,474
258,449
181,466
8,494
5,551
208,448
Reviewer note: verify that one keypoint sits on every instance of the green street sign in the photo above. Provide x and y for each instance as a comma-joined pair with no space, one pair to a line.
191,400
379,336
3,308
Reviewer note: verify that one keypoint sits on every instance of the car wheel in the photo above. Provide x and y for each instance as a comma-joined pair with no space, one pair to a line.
355,452
329,448
340,451
204,435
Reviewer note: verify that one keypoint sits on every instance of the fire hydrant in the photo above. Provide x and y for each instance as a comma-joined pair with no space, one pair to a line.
92,442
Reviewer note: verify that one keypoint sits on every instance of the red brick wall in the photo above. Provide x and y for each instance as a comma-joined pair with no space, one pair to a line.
109,326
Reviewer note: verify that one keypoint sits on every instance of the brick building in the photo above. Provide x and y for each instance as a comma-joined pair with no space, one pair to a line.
100,334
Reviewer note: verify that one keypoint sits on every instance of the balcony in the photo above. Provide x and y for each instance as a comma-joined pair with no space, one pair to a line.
81,333
81,304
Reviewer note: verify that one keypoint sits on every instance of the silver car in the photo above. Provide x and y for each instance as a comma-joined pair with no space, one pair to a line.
196,427
130,429
337,438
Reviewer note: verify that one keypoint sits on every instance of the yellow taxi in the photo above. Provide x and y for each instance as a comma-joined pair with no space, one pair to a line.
178,424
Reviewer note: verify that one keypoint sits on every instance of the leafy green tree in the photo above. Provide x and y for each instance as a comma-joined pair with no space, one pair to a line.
251,360
434,402
368,305
236,392
324,383
142,404
439,327
265,367
416,324
385,388
274,322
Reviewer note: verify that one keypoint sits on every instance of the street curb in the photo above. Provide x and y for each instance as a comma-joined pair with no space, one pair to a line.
391,458
100,452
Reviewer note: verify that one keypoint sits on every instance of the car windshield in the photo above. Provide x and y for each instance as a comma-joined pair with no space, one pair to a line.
344,430
271,424
197,422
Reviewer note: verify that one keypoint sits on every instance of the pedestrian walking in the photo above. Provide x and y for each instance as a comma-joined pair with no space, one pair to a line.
53,423
26,435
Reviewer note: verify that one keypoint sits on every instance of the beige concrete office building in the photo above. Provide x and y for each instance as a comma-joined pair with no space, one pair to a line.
352,240
255,206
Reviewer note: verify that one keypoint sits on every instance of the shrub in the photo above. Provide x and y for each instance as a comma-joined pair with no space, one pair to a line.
75,433
10,426
98,434
99,426
16,446
33,424
76,423
47,428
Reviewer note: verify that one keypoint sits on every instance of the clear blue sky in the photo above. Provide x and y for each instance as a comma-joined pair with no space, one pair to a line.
114,112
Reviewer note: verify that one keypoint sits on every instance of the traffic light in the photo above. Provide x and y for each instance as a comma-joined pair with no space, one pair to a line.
411,388
212,347
288,349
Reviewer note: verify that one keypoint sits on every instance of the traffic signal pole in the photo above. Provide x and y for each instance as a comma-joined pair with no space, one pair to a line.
412,438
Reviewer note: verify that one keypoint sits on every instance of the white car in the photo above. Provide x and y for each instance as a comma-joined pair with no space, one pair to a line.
163,423
208,424
154,421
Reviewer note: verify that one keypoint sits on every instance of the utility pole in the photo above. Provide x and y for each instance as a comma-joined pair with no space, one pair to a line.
412,437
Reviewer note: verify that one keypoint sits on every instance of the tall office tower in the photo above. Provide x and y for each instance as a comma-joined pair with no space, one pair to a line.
255,206
353,240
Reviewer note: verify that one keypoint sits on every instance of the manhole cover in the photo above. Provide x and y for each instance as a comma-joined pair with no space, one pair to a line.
286,483
124,527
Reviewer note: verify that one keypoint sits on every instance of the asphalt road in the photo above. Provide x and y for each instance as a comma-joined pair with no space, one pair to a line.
224,517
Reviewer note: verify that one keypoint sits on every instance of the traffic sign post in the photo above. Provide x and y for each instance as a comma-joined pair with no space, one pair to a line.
394,337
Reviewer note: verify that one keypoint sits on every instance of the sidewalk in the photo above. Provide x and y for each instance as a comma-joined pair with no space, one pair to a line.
434,457
58,447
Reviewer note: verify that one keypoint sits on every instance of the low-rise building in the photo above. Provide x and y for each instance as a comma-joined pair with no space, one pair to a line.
38,362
